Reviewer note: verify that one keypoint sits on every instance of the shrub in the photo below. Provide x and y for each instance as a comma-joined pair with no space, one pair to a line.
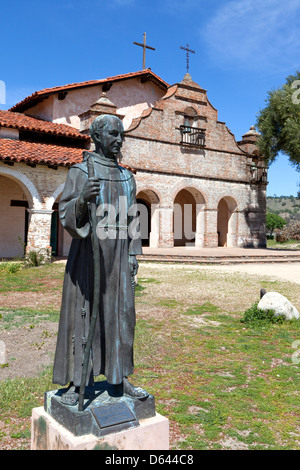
290,232
36,258
11,267
281,236
256,317
274,221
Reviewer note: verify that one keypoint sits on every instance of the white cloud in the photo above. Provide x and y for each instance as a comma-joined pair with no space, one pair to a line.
255,35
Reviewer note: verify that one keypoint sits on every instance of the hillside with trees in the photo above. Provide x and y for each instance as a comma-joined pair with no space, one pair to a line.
287,207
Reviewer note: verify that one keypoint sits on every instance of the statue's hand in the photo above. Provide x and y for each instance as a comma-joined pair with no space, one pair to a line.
90,189
133,265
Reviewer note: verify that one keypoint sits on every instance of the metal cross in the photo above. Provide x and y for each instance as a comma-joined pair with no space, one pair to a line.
144,46
188,50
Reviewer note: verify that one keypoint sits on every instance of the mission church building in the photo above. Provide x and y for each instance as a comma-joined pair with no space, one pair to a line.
196,185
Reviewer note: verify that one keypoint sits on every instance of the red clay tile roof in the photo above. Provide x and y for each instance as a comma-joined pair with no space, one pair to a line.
37,153
31,100
23,122
34,153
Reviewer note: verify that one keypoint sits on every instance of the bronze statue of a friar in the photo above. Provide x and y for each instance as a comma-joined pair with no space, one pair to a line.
97,319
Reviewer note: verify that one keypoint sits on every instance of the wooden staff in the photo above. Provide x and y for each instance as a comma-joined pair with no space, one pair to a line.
96,294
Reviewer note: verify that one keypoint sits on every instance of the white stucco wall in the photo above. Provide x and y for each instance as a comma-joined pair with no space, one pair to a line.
130,96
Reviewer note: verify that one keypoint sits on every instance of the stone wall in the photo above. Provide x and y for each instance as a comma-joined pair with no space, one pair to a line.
229,209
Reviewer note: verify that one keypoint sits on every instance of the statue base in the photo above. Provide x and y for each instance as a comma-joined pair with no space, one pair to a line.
47,434
107,419
104,410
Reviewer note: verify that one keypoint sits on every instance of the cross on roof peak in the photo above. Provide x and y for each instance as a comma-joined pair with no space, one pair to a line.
188,50
144,46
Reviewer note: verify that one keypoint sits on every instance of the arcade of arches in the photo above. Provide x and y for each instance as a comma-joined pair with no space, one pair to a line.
188,219
182,217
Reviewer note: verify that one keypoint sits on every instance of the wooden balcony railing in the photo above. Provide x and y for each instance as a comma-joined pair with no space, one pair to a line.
192,137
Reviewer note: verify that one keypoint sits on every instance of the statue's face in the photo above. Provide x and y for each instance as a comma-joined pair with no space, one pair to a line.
112,137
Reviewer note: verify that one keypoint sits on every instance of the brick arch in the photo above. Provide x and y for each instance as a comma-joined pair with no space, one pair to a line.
231,202
190,111
189,117
147,188
227,221
54,196
189,222
198,193
34,199
149,218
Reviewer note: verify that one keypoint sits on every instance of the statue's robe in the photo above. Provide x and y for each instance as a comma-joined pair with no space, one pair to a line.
112,347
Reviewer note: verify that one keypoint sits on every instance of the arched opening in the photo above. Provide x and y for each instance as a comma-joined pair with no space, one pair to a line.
14,202
148,204
188,218
60,240
54,234
189,117
184,219
223,214
227,222
144,209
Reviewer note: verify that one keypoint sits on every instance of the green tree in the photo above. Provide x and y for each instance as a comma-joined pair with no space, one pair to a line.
274,221
279,122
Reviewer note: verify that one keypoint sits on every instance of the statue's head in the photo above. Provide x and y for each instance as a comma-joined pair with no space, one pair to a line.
107,132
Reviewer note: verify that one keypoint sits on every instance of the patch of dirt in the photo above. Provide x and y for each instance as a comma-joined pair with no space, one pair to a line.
17,299
146,312
199,321
232,443
27,350
14,434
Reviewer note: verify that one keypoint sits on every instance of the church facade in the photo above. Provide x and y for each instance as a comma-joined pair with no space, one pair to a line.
196,185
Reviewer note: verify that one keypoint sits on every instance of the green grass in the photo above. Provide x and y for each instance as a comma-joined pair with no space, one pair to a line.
207,307
234,379
30,279
217,377
288,245
19,396
16,317
226,384
142,283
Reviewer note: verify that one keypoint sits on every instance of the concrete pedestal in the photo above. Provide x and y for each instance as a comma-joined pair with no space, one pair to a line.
47,434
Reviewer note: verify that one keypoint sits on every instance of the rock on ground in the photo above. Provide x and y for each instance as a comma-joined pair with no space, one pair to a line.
279,304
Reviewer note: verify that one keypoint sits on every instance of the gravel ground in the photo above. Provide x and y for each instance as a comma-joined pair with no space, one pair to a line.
279,271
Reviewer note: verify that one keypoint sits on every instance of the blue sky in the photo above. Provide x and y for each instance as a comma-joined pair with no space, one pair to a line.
243,49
